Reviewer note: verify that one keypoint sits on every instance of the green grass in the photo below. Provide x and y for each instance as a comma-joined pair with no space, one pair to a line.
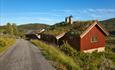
68,57
54,54
5,42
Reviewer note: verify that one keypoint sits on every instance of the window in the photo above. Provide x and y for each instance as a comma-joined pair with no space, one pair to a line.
94,39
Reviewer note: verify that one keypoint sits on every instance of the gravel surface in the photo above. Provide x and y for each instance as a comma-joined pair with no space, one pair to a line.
24,56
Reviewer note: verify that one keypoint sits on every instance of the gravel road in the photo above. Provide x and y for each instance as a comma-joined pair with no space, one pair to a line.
24,56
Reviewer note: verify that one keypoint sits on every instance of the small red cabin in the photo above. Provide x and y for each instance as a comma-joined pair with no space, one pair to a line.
86,36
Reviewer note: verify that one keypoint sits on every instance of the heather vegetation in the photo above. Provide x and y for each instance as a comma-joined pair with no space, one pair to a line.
6,42
66,58
92,61
109,24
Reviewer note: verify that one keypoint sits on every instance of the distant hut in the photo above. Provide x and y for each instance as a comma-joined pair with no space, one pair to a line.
33,34
48,38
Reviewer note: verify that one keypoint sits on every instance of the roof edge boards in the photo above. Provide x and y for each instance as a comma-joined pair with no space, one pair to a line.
88,29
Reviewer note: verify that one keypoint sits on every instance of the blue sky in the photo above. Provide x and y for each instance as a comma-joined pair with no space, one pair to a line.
52,11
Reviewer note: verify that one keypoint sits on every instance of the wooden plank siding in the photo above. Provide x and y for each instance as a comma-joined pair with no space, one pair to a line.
85,42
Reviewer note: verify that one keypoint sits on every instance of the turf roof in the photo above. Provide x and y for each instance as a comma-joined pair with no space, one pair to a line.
78,27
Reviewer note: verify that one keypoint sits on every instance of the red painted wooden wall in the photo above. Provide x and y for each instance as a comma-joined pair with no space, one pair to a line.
85,42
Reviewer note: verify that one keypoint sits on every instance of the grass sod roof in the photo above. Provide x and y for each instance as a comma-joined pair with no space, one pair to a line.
78,27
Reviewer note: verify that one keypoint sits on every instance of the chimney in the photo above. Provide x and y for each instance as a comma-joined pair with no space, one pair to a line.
69,20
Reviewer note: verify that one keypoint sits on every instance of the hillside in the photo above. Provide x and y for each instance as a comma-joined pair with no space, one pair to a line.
26,27
109,24
32,26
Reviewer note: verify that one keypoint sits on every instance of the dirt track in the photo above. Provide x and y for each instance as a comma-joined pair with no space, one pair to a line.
24,56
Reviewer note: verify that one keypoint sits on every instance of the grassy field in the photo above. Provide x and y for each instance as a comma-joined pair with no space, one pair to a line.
67,58
5,42
60,60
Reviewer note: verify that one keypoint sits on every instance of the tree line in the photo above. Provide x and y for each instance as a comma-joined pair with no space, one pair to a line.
11,29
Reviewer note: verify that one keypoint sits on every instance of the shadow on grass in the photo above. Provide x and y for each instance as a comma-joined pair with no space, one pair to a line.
113,50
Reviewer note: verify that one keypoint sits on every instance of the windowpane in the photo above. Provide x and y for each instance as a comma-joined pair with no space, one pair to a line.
94,39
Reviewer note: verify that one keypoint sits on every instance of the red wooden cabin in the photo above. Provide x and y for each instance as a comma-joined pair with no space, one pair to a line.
86,37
